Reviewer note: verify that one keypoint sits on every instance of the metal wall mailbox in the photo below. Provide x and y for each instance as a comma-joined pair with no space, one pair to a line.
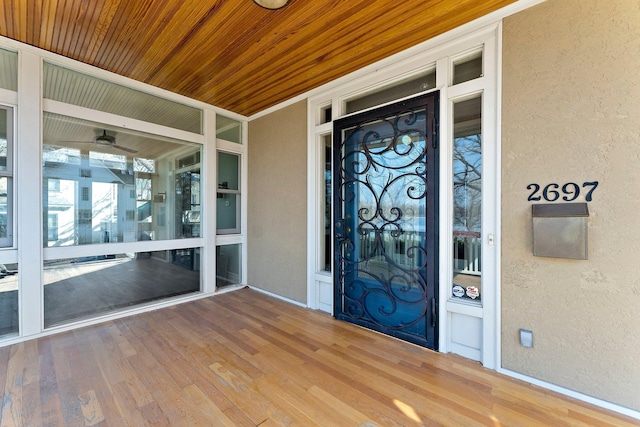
560,230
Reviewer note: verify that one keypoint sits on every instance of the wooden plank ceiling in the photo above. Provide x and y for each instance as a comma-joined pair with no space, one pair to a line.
233,53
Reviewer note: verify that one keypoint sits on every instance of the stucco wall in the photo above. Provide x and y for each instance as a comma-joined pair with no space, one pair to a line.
571,113
277,201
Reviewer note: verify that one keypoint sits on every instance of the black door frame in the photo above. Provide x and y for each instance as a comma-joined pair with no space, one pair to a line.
430,103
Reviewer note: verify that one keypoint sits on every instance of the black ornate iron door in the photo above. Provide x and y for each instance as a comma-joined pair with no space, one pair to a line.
385,219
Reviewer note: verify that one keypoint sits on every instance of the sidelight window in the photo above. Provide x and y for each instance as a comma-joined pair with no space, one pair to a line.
467,199
325,242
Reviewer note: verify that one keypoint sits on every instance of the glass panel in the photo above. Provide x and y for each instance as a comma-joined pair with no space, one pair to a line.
144,165
385,219
228,207
398,90
228,265
8,70
84,287
143,189
64,155
187,207
6,181
228,196
107,160
325,250
467,69
116,192
8,299
72,87
325,114
5,225
4,137
467,199
228,171
228,129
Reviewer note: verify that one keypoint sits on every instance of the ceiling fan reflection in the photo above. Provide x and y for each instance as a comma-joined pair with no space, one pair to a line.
104,140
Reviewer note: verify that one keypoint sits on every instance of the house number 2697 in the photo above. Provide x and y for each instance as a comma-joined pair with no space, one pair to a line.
569,191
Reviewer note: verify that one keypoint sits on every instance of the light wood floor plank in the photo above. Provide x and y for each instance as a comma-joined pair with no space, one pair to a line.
246,359
49,394
12,405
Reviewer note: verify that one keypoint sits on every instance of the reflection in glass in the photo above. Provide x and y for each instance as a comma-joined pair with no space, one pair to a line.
467,69
9,66
84,287
228,194
467,199
5,227
383,226
4,136
326,242
187,208
118,190
228,129
6,177
391,209
8,299
112,161
398,90
228,265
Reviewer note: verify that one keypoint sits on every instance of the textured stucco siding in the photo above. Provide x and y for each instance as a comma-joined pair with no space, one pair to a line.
277,213
571,113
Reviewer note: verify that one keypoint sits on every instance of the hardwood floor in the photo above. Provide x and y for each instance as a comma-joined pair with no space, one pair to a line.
246,359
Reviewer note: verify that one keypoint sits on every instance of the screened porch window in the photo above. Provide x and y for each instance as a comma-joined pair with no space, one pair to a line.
115,192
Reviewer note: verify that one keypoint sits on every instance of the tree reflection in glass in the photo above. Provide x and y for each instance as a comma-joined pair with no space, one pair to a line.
467,199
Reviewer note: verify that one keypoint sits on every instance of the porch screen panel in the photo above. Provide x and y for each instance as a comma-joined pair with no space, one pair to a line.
133,187
83,287
106,187
72,87
8,70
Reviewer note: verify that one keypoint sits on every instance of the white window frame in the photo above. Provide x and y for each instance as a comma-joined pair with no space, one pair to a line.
233,238
28,106
441,53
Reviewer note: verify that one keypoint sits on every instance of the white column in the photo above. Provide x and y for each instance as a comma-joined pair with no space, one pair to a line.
244,199
28,195
208,202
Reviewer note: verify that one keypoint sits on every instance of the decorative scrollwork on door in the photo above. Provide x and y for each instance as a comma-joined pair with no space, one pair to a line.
382,187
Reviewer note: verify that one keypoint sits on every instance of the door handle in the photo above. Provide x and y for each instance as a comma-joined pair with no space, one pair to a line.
434,312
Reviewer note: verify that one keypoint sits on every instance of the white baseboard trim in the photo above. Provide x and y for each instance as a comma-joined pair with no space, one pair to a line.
574,394
229,288
280,297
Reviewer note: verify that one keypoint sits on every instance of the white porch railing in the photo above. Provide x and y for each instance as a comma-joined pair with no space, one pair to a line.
467,251
395,247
